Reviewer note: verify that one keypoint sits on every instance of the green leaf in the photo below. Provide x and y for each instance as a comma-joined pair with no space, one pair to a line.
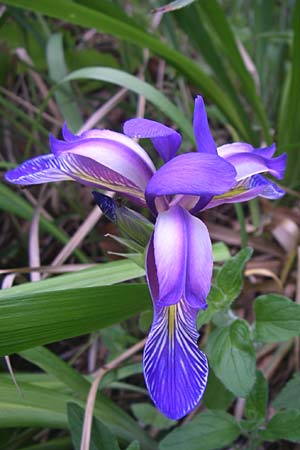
91,18
53,444
149,415
277,318
133,83
216,395
65,96
120,423
227,286
133,446
40,318
101,437
220,252
288,126
256,404
232,357
230,277
209,430
289,396
173,6
104,274
284,425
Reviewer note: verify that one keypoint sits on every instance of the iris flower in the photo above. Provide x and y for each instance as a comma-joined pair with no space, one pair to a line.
179,254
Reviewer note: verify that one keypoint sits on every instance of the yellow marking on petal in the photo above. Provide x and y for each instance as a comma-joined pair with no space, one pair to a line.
172,317
230,193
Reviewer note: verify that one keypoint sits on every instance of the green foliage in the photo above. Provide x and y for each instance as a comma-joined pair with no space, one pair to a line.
211,429
232,357
284,425
256,404
44,318
227,286
101,437
277,318
149,415
289,396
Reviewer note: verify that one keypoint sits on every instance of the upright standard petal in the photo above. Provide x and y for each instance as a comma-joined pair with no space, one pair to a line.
204,140
175,369
42,169
193,174
166,140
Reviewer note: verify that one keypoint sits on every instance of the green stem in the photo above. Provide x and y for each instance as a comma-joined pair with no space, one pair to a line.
241,218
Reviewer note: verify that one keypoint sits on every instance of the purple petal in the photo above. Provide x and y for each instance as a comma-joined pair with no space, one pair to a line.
67,134
199,262
114,151
42,169
175,369
242,147
93,174
193,174
165,139
248,164
255,186
204,140
169,251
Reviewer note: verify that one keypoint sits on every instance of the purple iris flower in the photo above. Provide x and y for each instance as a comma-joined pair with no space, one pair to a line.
179,255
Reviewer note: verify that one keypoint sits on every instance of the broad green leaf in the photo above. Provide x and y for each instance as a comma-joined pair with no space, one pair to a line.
230,278
17,415
104,274
227,286
13,203
216,396
289,396
277,318
64,95
101,437
232,357
63,443
120,423
220,252
91,18
41,318
209,430
284,425
256,404
149,415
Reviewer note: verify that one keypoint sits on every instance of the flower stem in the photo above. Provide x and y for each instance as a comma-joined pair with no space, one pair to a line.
241,219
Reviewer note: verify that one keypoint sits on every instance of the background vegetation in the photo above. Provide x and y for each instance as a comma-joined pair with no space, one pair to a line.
95,64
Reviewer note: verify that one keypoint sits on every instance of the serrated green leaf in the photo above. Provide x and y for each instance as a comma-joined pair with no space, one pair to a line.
216,395
220,252
284,425
277,318
101,437
232,357
256,404
40,318
289,396
209,430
